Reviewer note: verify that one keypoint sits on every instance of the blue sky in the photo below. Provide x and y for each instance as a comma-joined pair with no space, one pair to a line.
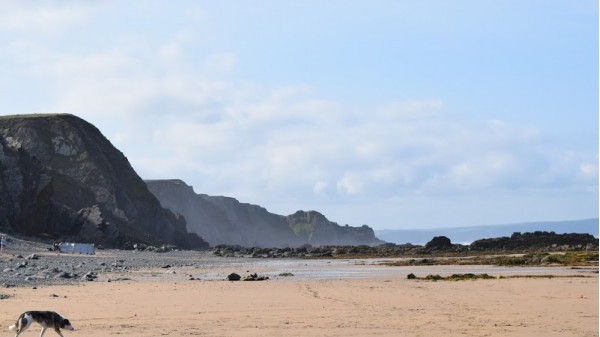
395,114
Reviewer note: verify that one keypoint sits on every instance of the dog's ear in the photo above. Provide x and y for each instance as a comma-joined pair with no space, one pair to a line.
64,323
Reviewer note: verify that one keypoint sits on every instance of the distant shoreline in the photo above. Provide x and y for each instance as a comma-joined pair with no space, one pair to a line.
468,234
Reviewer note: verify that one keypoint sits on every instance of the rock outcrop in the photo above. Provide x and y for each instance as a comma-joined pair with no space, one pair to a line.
539,240
226,221
314,229
438,243
61,178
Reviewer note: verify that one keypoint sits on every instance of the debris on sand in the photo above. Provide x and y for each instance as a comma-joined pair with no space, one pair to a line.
255,277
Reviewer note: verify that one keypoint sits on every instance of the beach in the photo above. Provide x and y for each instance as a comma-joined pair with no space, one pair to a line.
319,298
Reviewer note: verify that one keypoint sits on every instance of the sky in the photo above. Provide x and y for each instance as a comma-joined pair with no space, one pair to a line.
396,114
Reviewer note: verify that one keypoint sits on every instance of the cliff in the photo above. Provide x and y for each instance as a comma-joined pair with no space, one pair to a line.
314,228
61,178
226,221
223,220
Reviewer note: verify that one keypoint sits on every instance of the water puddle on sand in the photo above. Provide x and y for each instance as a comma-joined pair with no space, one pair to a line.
372,268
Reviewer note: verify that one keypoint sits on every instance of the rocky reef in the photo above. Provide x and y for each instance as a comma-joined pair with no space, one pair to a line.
525,243
60,178
533,240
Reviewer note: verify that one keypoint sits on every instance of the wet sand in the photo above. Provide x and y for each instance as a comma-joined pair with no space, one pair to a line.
323,298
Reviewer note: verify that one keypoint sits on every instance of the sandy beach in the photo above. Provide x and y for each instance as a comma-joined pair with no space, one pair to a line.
323,298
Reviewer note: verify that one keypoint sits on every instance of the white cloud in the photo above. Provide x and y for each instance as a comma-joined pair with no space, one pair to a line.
320,188
221,63
589,170
30,17
350,184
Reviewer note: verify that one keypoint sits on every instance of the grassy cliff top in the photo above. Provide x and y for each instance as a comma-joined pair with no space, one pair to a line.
7,117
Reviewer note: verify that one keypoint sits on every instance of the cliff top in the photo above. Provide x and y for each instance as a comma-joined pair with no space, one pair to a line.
32,116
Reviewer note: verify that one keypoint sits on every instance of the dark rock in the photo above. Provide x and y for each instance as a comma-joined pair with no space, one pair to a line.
255,277
140,246
537,240
65,275
233,277
90,276
411,276
119,279
166,249
33,257
388,250
438,243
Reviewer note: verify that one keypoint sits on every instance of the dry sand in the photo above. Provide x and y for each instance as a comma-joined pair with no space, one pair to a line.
163,303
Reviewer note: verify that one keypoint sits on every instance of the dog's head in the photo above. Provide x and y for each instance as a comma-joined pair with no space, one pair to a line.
65,324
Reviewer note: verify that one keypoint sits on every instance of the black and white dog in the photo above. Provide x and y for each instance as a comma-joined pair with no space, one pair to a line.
47,319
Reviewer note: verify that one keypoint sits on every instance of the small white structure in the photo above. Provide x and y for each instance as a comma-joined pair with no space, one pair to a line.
77,248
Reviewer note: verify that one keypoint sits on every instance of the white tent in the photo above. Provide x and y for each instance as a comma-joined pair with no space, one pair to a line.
77,248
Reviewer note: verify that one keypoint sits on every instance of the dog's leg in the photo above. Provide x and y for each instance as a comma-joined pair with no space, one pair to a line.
58,332
43,330
18,330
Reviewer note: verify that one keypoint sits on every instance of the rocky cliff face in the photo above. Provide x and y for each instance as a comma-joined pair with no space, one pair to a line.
314,228
61,178
223,220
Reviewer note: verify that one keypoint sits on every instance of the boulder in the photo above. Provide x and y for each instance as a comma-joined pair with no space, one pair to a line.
438,243
233,277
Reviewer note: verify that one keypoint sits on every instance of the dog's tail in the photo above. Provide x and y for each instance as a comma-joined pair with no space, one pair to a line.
17,325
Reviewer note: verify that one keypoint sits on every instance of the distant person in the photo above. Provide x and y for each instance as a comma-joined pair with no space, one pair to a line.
3,244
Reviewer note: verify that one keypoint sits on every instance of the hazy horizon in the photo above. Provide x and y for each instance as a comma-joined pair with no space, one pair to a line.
550,222
394,114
